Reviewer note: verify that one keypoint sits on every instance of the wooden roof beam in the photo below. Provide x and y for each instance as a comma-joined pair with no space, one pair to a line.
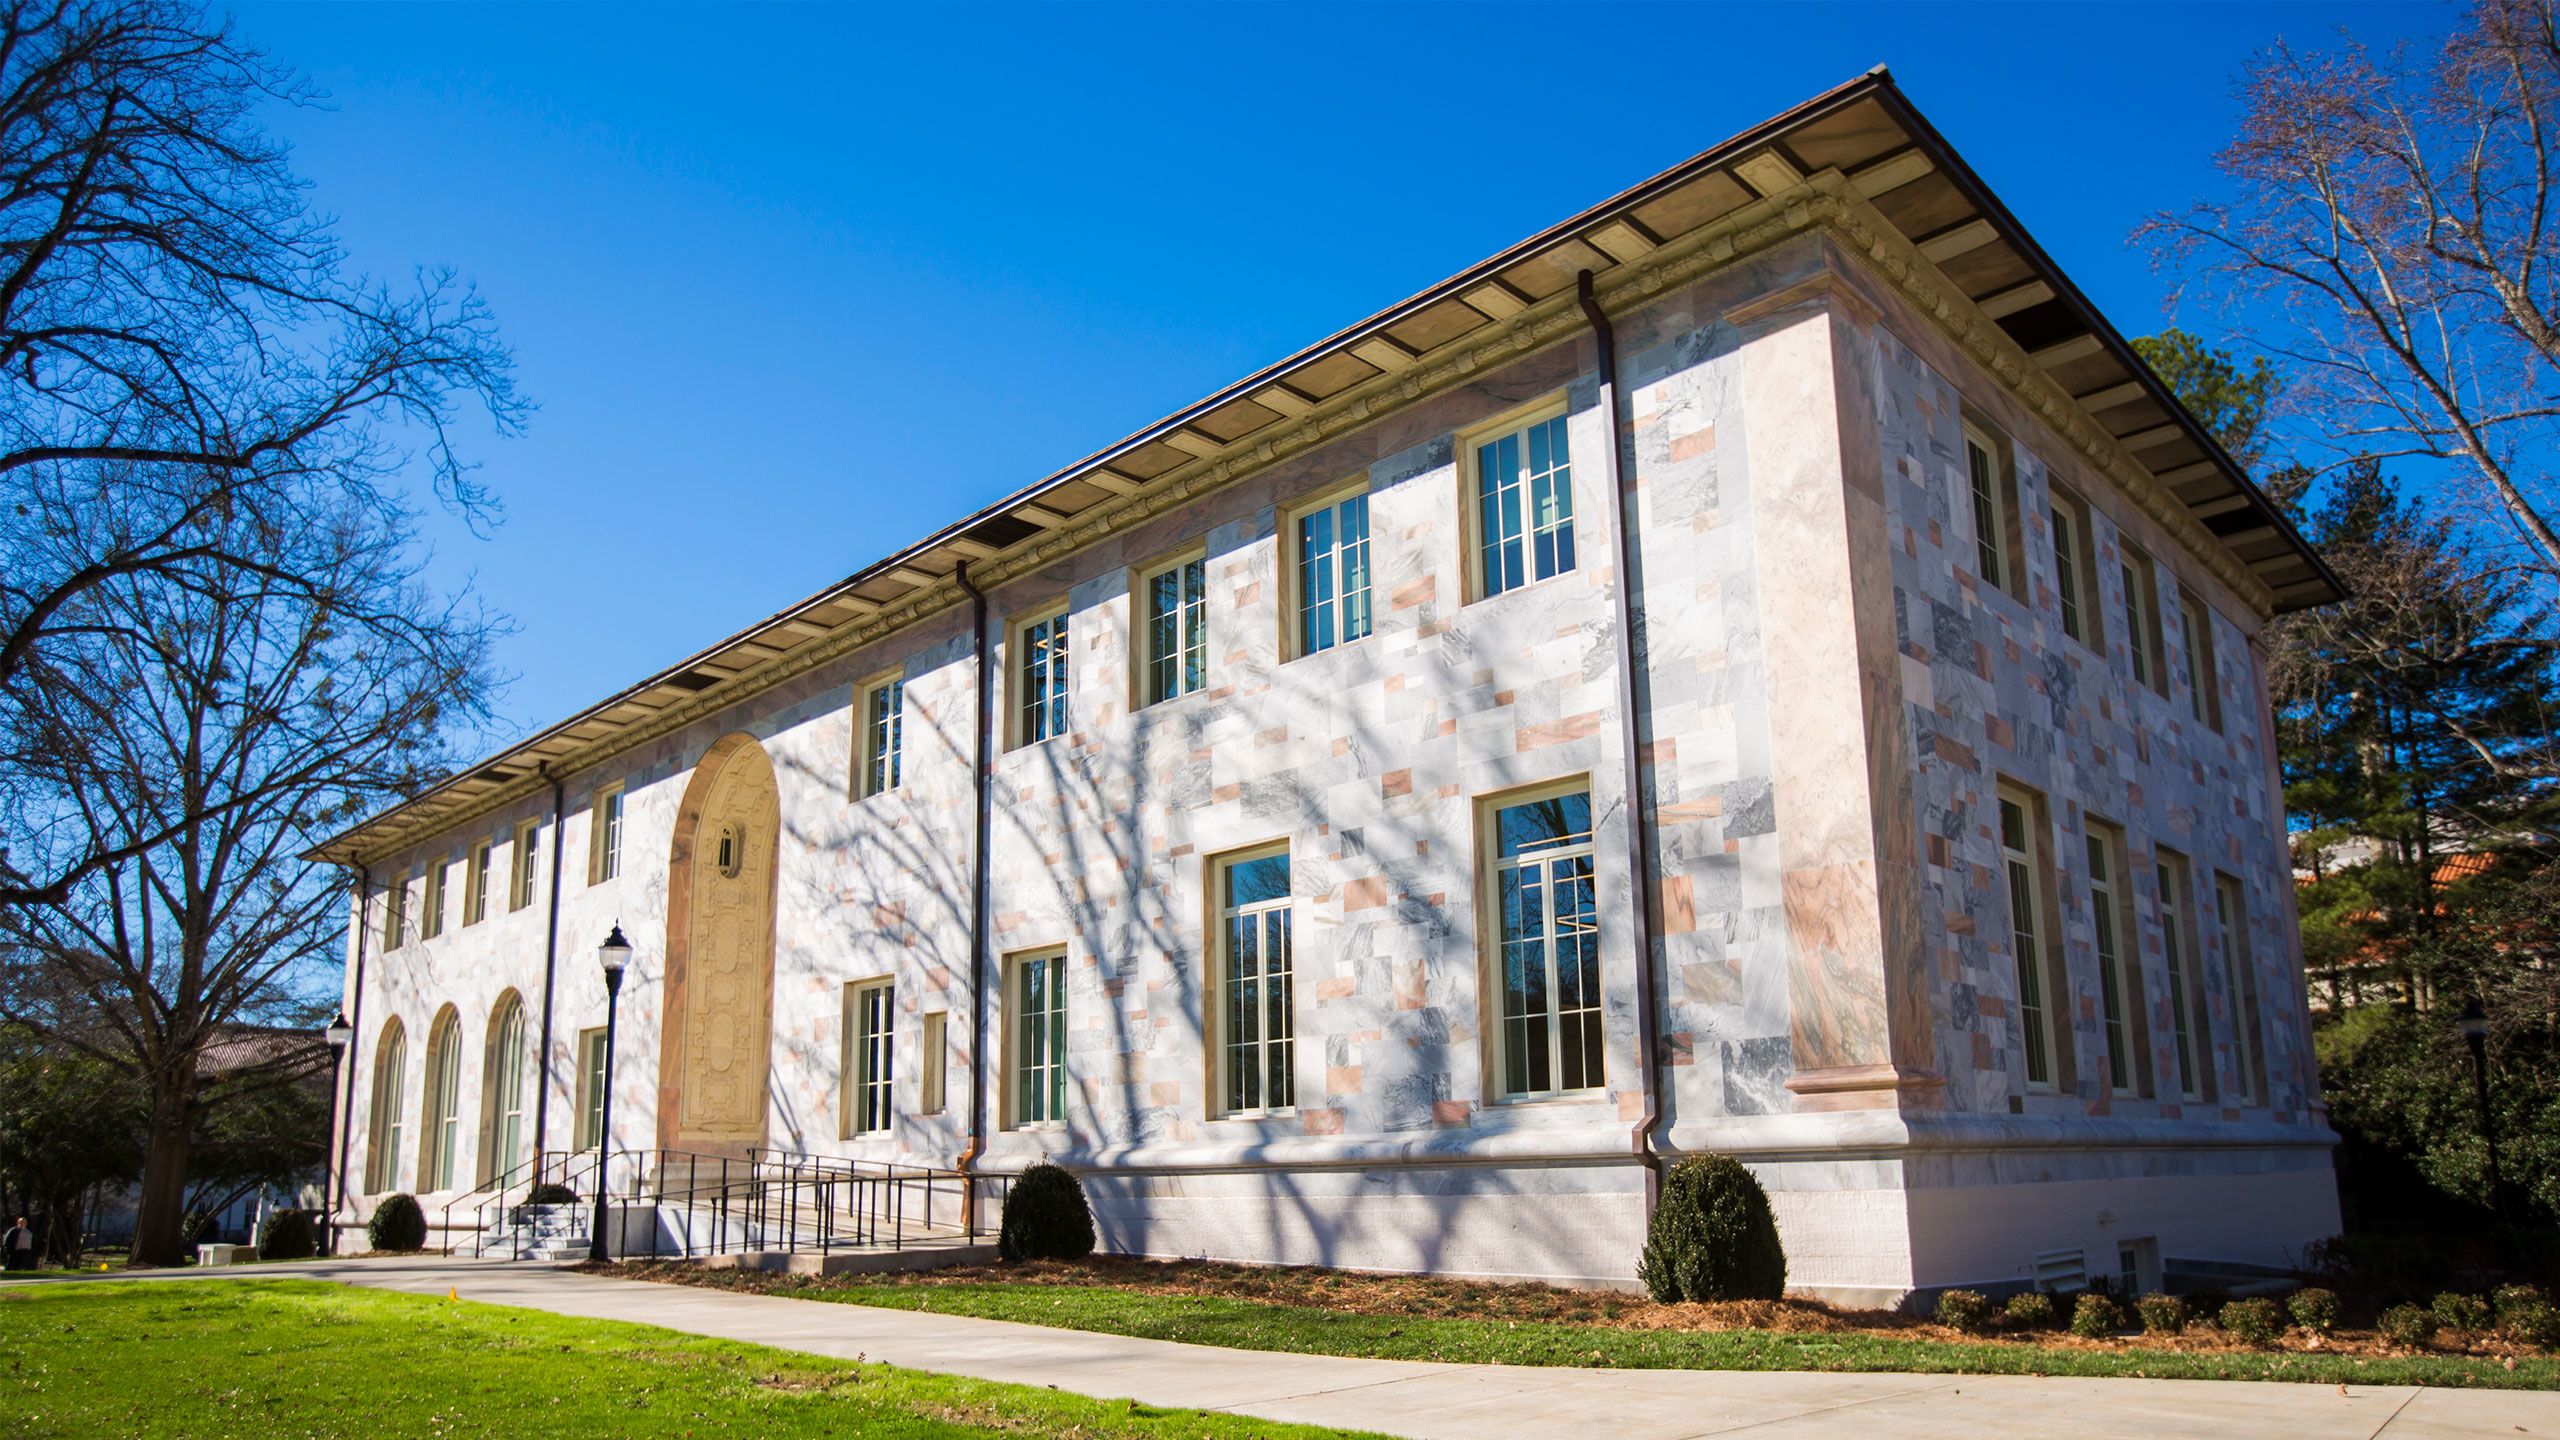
2015,298
1891,173
1958,240
1768,172
2063,352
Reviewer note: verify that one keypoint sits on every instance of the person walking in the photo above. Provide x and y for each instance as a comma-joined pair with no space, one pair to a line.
20,1245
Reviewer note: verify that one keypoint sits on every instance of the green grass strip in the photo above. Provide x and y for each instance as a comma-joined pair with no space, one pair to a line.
1255,1325
296,1358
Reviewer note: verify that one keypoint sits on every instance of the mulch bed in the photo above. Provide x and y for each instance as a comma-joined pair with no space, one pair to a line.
1431,1297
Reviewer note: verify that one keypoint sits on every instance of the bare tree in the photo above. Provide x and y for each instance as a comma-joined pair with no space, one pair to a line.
186,366
2394,217
205,733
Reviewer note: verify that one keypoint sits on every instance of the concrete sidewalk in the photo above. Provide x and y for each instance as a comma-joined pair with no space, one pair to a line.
1472,1402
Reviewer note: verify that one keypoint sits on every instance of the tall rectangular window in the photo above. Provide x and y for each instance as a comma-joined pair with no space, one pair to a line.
2177,946
2119,983
1990,523
395,912
1333,574
2075,570
1257,1036
932,1062
524,879
2022,856
475,883
2239,987
604,835
1177,629
1041,691
2195,637
1548,943
884,723
590,1088
1524,506
431,901
2142,621
870,1011
1037,1054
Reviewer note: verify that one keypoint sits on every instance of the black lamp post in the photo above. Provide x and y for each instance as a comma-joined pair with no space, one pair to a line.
613,954
331,1182
2474,1024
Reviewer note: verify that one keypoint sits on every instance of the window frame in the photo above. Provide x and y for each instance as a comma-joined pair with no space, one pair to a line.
1061,616
2173,894
523,861
1223,981
1293,567
395,911
1999,492
1518,421
1490,938
870,775
2204,677
605,813
1191,627
502,1084
2036,1020
431,898
440,1104
869,1103
2121,1003
2075,561
384,1133
475,881
1016,1017
2240,987
2144,649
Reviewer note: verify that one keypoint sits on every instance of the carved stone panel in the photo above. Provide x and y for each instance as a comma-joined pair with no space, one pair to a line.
719,1016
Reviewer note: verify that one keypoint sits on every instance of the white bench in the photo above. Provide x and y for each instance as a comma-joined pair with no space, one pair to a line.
223,1254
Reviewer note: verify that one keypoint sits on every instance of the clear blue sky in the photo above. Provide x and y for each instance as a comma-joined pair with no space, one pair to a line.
794,286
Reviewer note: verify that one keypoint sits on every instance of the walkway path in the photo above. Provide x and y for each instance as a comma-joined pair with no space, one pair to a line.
1476,1402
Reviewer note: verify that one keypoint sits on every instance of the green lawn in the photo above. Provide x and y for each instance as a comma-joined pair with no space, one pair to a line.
201,1359
1255,1325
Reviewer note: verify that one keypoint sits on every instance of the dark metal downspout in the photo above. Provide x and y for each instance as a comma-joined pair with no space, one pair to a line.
355,1038
550,965
978,900
1639,846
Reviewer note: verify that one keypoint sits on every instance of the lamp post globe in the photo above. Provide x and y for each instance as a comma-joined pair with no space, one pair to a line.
614,955
339,1035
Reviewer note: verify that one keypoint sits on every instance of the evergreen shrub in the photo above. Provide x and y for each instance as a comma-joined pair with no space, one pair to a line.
1045,1217
1713,1236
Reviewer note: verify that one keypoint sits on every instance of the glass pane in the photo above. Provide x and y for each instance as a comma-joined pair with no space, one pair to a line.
1355,567
1264,877
1543,824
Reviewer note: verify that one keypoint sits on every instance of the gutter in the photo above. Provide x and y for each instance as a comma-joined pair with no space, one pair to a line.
978,901
550,965
355,1037
1604,337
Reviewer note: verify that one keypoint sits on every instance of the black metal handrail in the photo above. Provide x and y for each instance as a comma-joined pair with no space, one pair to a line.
781,1201
546,1167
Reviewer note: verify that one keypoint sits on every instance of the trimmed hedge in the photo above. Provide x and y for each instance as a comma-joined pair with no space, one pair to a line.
1045,1217
397,1224
2162,1314
2460,1313
2253,1320
289,1235
1713,1236
1964,1310
551,1192
2409,1325
2029,1310
2095,1317
2314,1309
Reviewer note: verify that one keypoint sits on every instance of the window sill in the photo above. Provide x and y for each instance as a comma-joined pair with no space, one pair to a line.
1525,586
1540,1098
1335,648
1289,1112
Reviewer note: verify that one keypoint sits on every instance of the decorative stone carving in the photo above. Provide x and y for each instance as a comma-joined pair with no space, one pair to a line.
719,1015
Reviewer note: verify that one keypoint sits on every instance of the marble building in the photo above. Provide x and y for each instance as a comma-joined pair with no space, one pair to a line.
1758,667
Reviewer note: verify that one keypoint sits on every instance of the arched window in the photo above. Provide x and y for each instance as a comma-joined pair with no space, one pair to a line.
502,1091
382,1130
439,1139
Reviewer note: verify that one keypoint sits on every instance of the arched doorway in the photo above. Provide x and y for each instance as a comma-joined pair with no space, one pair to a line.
717,1039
